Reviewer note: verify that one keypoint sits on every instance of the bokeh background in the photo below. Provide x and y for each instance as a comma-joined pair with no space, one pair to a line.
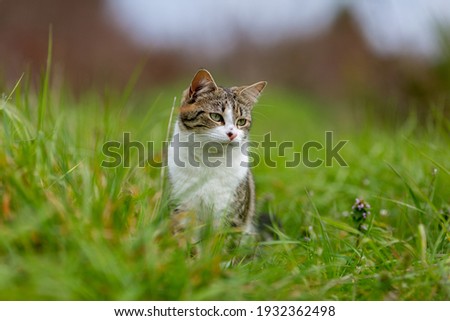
342,53
376,73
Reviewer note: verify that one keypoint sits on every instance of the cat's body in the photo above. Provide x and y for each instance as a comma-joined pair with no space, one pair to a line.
214,121
212,190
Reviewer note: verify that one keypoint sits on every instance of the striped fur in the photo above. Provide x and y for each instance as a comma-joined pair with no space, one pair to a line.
219,117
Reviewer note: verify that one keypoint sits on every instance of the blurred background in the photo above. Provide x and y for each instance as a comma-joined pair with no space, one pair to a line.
341,53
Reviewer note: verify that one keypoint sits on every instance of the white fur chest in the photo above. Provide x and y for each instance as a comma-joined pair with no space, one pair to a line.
205,185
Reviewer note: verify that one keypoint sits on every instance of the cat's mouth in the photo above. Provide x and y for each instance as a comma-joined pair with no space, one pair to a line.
208,138
232,143
226,143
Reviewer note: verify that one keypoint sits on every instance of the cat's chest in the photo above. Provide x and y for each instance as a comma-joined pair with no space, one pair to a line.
198,186
206,183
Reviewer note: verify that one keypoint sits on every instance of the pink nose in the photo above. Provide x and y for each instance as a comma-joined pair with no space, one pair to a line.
231,135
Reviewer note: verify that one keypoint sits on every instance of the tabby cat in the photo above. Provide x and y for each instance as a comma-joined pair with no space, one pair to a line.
207,159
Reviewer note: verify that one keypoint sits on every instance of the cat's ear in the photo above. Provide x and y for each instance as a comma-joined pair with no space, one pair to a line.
253,92
202,83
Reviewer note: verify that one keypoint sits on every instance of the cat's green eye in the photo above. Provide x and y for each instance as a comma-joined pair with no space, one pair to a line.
241,122
216,117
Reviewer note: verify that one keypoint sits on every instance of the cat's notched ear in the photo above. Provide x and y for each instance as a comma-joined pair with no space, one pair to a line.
253,91
202,82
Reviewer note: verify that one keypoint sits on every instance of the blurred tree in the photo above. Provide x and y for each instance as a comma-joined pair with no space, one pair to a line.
337,65
88,48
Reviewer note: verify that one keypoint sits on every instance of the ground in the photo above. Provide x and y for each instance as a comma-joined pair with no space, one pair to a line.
72,229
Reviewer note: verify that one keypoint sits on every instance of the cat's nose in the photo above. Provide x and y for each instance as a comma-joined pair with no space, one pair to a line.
231,135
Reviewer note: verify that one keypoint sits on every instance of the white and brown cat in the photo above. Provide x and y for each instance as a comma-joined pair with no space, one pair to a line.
207,160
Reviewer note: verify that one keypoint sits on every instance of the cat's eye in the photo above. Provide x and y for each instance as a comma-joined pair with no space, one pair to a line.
216,117
241,122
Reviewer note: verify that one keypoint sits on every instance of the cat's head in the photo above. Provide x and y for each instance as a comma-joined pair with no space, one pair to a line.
216,113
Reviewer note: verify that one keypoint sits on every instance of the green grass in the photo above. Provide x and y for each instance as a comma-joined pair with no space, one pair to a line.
71,229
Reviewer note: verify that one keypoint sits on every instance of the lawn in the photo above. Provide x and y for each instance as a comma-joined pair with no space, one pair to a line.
72,229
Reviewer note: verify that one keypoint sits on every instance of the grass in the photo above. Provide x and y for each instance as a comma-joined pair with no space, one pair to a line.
71,229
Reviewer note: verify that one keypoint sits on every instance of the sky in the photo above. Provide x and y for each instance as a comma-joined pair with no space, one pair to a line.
389,25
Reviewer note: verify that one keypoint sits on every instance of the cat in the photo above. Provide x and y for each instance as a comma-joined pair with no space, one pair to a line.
207,161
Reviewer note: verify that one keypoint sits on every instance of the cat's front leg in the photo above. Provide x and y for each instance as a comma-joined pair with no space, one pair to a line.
184,226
